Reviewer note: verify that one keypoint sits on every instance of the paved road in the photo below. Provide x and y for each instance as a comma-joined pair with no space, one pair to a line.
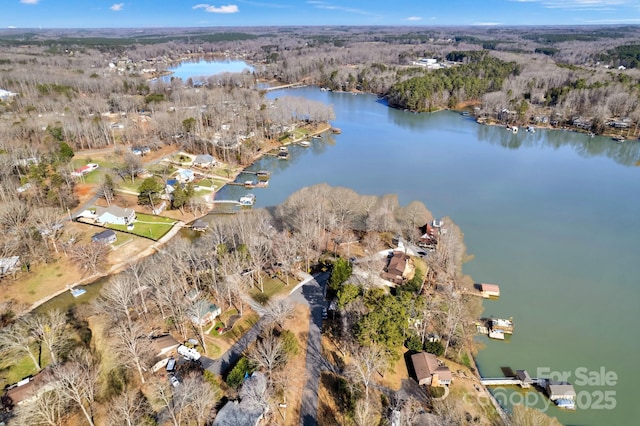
313,294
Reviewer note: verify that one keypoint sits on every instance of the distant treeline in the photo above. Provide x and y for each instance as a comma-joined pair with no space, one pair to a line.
627,56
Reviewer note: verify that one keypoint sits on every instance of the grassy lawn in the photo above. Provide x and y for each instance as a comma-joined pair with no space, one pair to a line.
213,350
240,327
148,226
225,172
22,368
208,183
43,280
272,286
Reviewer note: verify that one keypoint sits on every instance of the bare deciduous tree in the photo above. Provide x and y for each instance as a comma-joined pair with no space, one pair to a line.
268,353
49,329
117,298
77,380
134,346
89,257
128,409
16,341
49,409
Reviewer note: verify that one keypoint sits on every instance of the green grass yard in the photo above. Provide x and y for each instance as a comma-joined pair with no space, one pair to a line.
148,226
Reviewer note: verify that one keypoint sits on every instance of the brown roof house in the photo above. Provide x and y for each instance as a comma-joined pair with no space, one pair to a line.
164,345
399,269
429,371
29,390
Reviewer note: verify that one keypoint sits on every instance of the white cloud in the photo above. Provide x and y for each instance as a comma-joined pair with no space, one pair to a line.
11,27
29,1
414,18
231,8
580,4
117,7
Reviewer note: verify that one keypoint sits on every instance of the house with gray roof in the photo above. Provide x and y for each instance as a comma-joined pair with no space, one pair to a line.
114,215
204,160
105,237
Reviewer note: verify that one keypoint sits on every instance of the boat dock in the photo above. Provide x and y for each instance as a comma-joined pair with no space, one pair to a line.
521,379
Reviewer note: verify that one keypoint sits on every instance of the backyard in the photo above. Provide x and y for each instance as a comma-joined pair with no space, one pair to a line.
147,226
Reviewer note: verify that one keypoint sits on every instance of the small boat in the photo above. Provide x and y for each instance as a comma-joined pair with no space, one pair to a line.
262,184
591,134
249,184
531,129
284,149
316,137
566,403
619,139
496,334
283,155
514,129
248,200
336,130
77,291
305,144
263,175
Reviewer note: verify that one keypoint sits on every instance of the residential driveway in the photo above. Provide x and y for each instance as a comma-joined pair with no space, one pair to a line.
312,294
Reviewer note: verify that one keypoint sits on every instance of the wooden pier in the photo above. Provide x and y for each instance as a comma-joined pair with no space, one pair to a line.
521,379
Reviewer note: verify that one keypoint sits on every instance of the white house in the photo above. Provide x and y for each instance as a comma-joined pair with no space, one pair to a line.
185,176
114,215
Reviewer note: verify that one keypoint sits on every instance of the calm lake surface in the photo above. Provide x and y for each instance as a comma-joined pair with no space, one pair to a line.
553,217
206,68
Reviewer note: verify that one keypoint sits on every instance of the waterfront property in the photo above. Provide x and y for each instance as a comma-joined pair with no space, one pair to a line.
109,215
429,371
204,161
489,290
399,268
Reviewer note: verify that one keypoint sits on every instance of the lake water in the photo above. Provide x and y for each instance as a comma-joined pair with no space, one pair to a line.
206,68
553,217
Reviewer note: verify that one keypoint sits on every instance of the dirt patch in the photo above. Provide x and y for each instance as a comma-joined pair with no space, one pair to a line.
84,191
394,376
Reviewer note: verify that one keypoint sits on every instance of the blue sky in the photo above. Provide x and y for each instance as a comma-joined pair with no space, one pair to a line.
185,13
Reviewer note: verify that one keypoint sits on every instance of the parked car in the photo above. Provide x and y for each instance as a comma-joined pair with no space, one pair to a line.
174,381
324,313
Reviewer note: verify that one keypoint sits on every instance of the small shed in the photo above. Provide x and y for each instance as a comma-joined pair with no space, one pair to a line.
105,237
489,290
